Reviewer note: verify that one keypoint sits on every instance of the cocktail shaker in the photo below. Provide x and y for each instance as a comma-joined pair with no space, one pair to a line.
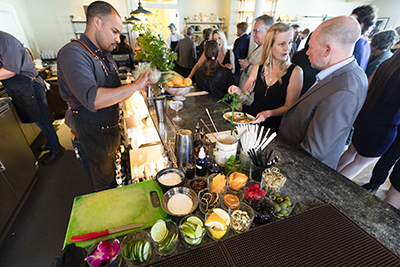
160,105
184,147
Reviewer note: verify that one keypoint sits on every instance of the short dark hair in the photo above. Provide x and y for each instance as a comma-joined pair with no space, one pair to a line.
365,14
268,20
294,26
99,9
306,31
189,31
242,26
207,32
384,40
122,38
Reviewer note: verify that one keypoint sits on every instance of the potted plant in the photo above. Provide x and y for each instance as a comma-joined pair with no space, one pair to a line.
235,103
154,48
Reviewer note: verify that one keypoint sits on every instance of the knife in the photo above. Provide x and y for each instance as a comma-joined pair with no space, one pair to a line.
84,237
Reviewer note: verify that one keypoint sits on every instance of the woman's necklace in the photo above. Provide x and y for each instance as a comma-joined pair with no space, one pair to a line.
267,80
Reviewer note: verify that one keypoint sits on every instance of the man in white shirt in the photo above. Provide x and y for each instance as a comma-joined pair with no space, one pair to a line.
321,119
174,37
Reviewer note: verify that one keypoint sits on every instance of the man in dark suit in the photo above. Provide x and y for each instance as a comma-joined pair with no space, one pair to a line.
321,119
240,46
187,55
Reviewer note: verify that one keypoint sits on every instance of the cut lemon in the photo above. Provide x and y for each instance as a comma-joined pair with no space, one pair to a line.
223,215
159,231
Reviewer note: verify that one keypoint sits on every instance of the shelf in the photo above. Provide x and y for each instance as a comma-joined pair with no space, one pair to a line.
205,22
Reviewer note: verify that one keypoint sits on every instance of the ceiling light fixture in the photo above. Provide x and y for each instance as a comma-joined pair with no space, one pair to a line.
140,10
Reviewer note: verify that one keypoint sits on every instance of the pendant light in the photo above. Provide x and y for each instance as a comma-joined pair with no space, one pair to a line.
131,19
140,10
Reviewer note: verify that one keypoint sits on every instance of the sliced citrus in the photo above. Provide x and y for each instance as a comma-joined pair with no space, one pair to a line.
223,215
191,225
188,231
195,220
214,218
199,231
159,231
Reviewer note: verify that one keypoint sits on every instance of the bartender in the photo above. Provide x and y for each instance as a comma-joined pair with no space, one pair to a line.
28,92
89,81
174,37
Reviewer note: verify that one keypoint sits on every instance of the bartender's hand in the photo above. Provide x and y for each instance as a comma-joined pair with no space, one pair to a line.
234,89
244,63
262,116
143,81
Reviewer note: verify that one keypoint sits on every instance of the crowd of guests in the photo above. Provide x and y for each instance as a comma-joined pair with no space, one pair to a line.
314,97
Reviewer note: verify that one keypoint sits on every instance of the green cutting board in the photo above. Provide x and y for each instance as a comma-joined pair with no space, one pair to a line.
112,208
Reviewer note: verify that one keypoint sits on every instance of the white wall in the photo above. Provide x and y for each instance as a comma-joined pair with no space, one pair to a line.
389,9
47,24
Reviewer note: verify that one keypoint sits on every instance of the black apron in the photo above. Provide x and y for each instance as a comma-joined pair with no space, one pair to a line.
20,89
99,135
173,45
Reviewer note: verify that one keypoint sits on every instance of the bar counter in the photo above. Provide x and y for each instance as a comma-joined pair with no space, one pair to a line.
310,183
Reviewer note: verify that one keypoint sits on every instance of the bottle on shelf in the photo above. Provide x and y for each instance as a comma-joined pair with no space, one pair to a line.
201,163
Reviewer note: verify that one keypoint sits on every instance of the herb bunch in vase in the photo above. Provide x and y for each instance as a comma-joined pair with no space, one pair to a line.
154,48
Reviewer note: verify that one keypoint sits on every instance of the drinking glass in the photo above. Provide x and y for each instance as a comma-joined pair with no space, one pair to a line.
176,105
155,75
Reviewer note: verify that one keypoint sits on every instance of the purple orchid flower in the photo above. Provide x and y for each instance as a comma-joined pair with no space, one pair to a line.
105,253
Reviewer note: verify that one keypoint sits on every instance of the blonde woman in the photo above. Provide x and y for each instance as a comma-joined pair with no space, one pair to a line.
275,81
225,58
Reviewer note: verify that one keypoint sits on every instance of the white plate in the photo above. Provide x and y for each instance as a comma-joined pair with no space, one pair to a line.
239,114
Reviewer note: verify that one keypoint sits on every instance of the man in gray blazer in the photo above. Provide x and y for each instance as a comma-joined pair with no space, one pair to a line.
321,119
186,50
261,26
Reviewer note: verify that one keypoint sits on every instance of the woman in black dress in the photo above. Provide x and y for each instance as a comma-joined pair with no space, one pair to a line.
275,81
212,77
377,125
226,58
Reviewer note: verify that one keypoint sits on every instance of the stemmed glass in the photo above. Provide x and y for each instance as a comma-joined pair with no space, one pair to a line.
176,105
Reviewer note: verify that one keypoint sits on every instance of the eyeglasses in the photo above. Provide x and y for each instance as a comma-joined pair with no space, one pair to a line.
257,30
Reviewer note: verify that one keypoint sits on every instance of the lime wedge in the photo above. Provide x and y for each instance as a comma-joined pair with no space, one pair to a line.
188,231
146,251
191,225
198,232
159,231
195,220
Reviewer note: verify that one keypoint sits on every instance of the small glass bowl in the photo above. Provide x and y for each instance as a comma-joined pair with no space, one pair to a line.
238,223
93,248
189,241
205,208
252,199
227,181
128,241
210,179
215,234
263,211
226,196
172,238
199,182
281,204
